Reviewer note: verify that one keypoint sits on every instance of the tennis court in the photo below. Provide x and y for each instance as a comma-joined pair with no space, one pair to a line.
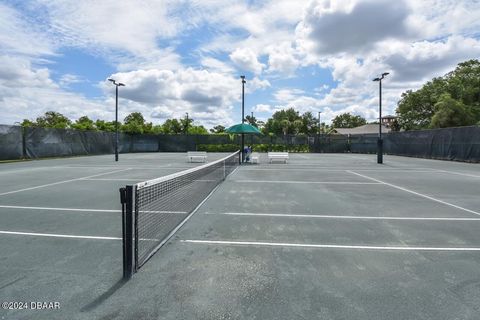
326,236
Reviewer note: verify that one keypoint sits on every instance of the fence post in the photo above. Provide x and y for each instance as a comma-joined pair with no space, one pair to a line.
24,142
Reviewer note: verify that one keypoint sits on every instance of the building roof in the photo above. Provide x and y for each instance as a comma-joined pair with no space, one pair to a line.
389,117
370,128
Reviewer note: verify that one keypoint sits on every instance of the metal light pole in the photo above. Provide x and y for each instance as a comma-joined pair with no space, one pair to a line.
186,124
319,123
380,141
117,84
243,116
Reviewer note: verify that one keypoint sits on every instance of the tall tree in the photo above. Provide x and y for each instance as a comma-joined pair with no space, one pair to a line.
416,109
310,123
186,124
103,125
172,126
28,123
251,120
281,122
451,113
84,123
53,119
347,120
197,130
218,129
135,123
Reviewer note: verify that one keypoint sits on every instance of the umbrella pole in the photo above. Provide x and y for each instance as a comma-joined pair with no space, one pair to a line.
243,147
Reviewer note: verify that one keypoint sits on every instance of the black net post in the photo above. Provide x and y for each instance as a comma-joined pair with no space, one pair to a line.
126,198
379,151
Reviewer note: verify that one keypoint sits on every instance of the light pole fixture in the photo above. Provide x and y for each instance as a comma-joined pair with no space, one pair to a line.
243,115
380,141
117,84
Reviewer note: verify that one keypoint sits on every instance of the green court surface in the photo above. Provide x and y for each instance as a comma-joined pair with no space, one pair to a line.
325,236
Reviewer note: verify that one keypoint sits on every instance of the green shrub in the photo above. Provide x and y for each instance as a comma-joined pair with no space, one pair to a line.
256,148
280,148
217,147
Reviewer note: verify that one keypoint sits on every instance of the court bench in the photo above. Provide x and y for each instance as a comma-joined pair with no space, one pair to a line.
192,156
254,158
272,156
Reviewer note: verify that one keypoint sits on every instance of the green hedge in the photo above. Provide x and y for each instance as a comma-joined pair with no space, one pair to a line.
218,147
280,147
255,147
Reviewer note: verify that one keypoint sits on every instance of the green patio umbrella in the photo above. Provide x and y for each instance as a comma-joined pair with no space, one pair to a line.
243,128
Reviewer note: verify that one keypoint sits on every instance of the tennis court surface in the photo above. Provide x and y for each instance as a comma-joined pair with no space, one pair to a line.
326,236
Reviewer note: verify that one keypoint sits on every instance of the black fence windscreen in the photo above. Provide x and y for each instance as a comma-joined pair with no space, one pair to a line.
461,144
11,142
50,142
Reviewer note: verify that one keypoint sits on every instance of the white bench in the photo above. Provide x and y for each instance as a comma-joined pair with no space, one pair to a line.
272,156
254,158
201,156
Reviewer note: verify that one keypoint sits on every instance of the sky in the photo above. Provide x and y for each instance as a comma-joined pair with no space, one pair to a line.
178,56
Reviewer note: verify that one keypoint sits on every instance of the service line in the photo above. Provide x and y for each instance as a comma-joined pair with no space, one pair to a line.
303,182
321,216
327,246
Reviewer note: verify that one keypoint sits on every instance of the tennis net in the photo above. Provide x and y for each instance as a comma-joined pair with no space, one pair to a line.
154,210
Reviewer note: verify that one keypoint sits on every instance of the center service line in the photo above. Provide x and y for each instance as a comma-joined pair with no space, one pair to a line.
328,246
415,193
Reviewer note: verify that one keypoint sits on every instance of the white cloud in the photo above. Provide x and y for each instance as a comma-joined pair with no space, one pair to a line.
349,26
262,108
20,36
28,93
216,65
282,58
16,72
159,93
351,40
246,60
67,79
423,60
256,84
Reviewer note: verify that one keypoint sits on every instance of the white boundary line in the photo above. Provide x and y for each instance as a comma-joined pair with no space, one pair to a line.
303,182
160,167
60,209
64,181
53,235
416,193
113,179
458,173
285,215
321,169
329,246
86,210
